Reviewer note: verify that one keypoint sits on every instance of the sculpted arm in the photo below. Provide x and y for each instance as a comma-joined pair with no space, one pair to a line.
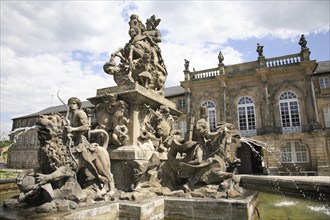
56,175
83,123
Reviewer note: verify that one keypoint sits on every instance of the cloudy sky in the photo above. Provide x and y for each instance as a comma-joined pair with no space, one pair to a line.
48,46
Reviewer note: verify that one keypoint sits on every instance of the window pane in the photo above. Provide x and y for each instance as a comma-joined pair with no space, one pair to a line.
246,114
212,120
326,115
324,82
301,152
286,153
212,114
289,111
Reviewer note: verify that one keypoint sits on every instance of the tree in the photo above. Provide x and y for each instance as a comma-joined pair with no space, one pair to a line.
4,147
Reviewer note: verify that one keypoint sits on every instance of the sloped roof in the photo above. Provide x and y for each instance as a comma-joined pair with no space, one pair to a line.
322,67
169,92
53,109
173,91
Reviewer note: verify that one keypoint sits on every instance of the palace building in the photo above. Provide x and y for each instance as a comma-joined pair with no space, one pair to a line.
280,105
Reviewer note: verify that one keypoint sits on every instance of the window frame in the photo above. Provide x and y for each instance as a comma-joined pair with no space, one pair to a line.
248,123
289,112
326,116
212,112
292,154
324,82
182,103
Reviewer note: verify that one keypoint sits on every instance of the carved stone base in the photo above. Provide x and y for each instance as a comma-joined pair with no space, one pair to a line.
129,165
137,97
155,208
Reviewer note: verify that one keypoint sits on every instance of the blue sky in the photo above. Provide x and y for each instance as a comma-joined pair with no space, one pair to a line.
48,46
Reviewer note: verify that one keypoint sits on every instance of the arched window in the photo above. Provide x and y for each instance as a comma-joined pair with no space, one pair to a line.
246,116
294,152
289,110
211,117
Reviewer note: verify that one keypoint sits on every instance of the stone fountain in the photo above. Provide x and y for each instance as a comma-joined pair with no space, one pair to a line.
131,162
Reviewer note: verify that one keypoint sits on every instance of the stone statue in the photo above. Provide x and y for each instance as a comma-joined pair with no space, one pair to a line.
70,167
140,59
260,50
186,65
112,116
153,157
220,57
303,42
205,159
156,126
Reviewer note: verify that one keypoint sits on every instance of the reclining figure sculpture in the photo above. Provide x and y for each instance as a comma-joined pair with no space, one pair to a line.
206,159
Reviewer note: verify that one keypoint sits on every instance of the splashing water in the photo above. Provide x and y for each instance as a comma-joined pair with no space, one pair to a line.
322,209
19,131
285,203
250,142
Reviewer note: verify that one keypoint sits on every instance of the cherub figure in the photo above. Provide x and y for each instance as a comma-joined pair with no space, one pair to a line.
120,132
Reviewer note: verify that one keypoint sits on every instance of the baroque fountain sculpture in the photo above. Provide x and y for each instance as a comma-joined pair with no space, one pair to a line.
134,127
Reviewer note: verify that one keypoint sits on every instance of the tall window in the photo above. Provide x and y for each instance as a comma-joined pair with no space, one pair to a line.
294,152
324,82
211,117
286,156
326,115
183,128
289,111
246,116
182,103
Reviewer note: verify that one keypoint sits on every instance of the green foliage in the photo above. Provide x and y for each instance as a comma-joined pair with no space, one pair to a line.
4,147
9,173
5,143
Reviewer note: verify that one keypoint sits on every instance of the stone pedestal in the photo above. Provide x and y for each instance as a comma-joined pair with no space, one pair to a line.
136,96
156,208
133,155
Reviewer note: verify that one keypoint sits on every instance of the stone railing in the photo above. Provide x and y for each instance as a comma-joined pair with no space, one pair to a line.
247,133
195,75
292,59
291,130
283,60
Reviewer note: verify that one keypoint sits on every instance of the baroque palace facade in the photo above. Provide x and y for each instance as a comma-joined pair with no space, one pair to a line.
281,106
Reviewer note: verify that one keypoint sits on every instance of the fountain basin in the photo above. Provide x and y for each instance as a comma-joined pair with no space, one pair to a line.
314,186
169,208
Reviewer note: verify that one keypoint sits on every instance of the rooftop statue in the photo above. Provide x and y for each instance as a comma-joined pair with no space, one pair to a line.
303,42
260,50
220,57
186,65
140,59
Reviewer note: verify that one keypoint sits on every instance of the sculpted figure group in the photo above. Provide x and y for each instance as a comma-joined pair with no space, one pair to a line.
112,116
74,168
74,162
70,167
140,59
204,160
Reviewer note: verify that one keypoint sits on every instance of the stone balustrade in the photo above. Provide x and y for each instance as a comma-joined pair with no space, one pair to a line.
204,74
283,60
291,59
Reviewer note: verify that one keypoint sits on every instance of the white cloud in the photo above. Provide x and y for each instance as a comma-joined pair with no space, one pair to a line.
52,45
28,83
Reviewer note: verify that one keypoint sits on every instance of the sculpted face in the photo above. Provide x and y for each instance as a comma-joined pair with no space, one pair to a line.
73,105
132,33
50,124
